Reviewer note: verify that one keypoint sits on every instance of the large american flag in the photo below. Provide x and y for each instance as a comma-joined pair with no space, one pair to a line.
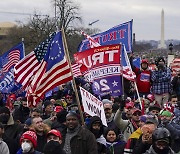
28,66
49,65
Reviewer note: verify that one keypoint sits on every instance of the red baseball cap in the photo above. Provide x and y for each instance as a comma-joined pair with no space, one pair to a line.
55,132
58,109
136,110
129,105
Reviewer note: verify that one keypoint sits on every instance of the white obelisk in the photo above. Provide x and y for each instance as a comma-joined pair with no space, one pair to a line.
162,43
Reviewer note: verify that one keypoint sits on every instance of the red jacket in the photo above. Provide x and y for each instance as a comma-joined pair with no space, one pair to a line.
143,80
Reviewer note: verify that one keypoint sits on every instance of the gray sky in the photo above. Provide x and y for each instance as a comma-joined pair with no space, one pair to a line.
146,14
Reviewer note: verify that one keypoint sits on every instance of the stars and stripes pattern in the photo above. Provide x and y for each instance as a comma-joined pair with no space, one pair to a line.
12,59
50,68
126,67
28,66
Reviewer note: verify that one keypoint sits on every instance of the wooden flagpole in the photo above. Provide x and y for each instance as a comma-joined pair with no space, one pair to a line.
125,53
73,80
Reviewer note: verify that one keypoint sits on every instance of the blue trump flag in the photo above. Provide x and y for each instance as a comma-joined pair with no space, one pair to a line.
120,34
7,62
137,62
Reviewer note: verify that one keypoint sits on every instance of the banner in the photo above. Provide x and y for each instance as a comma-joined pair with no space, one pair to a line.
7,63
102,68
92,105
120,34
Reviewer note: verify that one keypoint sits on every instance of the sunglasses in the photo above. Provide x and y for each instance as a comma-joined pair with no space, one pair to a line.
137,114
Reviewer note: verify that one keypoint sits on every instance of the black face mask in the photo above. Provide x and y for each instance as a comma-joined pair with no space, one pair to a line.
25,109
4,118
161,151
96,133
52,147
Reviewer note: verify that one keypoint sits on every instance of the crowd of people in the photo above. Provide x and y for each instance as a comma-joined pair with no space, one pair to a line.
54,126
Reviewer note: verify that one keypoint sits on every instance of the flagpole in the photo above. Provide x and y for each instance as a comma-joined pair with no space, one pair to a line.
125,53
122,78
73,80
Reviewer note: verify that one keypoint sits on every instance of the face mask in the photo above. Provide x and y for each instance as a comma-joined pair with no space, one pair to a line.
4,118
26,147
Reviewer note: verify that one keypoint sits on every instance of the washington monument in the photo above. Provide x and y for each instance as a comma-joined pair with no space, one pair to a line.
162,43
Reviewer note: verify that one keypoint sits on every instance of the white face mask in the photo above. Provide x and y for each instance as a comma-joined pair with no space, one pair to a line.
26,147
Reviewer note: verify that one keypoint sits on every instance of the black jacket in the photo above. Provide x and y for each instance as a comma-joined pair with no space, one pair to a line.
83,143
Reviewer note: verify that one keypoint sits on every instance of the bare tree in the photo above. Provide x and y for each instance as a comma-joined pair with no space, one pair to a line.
67,13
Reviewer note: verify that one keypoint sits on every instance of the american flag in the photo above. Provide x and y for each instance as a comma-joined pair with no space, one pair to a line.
175,66
53,70
28,66
126,67
76,70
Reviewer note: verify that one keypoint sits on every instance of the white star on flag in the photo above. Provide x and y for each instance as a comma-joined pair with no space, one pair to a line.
115,83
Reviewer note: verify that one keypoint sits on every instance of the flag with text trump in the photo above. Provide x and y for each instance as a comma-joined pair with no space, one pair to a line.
102,68
120,34
54,69
7,62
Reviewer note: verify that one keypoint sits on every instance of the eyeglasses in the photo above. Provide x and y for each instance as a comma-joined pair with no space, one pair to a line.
137,114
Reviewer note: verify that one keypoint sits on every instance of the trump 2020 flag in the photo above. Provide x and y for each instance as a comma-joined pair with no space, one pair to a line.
7,62
120,34
54,69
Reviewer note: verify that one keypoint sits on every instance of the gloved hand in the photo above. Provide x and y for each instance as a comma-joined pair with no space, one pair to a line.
122,103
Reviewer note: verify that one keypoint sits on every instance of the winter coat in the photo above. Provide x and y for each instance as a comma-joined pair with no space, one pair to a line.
151,151
11,135
125,126
115,147
140,147
132,141
21,114
35,152
83,142
3,147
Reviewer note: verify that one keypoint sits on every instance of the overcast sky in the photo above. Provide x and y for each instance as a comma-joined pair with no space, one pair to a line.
146,14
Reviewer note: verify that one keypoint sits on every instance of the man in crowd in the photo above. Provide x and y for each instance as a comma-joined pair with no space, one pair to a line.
41,129
161,141
11,129
54,141
78,140
161,82
127,127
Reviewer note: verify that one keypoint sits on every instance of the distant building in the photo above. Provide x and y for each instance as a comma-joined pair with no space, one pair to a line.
4,27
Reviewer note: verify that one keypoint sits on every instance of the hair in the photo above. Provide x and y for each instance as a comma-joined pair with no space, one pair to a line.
172,96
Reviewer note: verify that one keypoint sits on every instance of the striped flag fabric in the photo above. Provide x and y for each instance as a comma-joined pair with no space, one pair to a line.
53,71
28,66
126,67
175,66
76,70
